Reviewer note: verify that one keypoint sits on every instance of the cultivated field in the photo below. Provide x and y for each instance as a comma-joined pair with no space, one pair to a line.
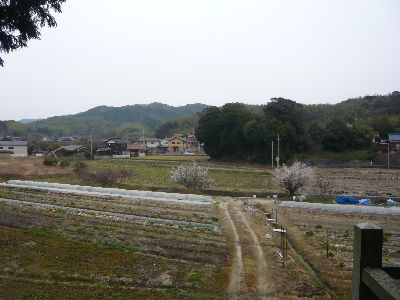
66,246
361,181
57,253
309,232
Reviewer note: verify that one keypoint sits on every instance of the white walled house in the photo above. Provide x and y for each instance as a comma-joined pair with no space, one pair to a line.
150,143
15,148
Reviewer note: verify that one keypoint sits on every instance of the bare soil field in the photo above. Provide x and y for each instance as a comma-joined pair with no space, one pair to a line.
361,181
309,232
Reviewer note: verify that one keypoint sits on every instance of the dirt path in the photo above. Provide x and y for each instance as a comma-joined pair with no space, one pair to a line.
263,288
237,285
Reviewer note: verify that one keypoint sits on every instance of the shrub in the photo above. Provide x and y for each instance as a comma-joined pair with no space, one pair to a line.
318,226
102,176
340,264
214,218
309,232
80,168
325,184
50,161
109,176
386,236
293,178
192,177
63,163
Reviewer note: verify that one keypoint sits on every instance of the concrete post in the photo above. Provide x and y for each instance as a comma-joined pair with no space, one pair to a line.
367,252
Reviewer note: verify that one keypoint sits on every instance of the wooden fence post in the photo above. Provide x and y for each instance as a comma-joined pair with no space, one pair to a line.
367,252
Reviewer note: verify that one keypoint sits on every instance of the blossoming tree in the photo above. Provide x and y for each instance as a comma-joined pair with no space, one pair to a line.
293,178
193,177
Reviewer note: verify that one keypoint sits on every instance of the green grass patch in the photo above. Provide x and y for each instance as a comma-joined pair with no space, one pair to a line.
195,277
173,157
42,231
344,156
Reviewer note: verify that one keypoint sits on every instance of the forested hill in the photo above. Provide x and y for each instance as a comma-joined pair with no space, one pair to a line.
106,121
237,131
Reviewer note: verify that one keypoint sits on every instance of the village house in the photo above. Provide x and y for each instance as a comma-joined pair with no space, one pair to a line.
154,146
117,145
177,144
192,142
165,142
14,148
393,139
136,150
150,143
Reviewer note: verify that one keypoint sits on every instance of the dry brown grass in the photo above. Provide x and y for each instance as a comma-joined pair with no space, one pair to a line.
29,167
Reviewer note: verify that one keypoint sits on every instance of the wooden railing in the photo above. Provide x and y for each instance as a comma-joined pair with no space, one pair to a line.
371,280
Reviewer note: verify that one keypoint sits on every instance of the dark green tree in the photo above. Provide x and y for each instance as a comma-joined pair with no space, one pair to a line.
338,136
22,20
293,115
208,131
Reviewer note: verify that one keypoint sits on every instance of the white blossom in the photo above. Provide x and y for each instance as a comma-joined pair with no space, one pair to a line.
293,178
192,177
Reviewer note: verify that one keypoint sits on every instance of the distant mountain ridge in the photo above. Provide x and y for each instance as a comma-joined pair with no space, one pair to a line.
28,121
381,113
109,121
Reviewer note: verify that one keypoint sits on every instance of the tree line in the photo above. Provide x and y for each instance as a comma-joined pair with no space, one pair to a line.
237,131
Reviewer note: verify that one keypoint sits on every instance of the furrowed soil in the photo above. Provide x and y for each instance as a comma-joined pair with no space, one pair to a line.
311,231
56,253
61,254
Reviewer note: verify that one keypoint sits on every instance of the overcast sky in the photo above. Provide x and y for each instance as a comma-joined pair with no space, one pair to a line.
124,52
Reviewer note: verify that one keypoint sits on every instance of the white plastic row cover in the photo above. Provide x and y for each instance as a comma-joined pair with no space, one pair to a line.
393,211
111,191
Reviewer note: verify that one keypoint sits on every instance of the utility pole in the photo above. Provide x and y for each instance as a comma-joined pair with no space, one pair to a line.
91,143
272,155
388,154
278,157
